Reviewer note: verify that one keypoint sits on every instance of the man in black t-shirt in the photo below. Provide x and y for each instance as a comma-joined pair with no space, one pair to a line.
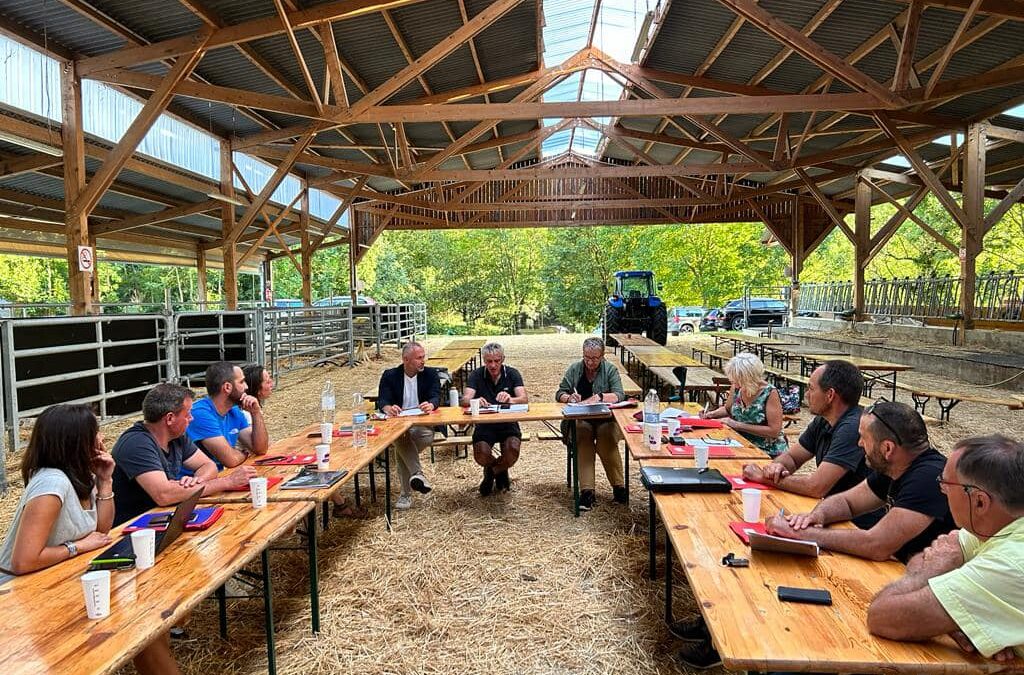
495,384
903,479
149,456
832,438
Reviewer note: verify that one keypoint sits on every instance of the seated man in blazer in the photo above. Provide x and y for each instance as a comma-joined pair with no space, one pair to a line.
410,385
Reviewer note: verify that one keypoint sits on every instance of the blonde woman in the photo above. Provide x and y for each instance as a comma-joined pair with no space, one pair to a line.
753,407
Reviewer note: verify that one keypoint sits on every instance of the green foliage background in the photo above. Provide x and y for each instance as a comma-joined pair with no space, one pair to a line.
490,280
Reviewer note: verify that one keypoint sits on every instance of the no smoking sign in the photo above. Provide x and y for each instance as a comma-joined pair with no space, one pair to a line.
86,259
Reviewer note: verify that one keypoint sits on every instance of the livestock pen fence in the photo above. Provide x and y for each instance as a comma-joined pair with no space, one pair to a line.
998,296
111,360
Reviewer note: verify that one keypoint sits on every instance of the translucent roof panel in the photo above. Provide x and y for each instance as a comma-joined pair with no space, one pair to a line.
1017,111
566,26
618,24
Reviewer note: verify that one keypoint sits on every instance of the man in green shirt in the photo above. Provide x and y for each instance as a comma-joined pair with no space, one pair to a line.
968,583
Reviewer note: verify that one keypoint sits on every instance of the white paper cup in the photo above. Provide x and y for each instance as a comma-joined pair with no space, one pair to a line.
474,406
700,456
751,505
96,587
326,432
144,548
323,457
673,426
258,491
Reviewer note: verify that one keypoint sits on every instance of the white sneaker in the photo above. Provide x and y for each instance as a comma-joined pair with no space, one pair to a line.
419,483
404,502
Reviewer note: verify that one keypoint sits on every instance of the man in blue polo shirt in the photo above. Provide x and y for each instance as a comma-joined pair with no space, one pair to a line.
218,425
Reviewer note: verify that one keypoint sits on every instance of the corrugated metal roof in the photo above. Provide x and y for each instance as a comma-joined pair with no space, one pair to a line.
154,20
52,20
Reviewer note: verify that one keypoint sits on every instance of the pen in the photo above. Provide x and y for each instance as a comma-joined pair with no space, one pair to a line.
782,512
705,411
576,393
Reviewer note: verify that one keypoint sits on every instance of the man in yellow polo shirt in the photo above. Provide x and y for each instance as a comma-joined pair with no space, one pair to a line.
970,583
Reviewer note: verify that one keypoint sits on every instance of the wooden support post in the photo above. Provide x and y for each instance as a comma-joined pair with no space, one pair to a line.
307,250
353,254
76,223
201,295
268,279
796,258
861,245
972,233
227,188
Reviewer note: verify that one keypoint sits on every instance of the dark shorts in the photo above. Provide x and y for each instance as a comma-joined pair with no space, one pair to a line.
496,433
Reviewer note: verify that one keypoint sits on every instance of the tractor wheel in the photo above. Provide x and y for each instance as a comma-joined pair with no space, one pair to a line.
657,325
612,325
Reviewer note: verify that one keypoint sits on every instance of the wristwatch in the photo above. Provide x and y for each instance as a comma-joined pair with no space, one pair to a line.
71,547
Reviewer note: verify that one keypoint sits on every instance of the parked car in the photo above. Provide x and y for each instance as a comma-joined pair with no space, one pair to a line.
684,319
763,311
710,321
344,301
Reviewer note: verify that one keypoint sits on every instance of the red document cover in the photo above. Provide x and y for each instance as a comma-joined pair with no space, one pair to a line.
743,530
286,460
719,451
271,482
739,483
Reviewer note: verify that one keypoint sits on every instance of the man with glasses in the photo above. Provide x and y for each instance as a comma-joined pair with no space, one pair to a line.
970,583
904,468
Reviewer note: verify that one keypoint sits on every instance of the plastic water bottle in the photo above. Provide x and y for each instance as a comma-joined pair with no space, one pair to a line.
358,421
327,403
652,421
453,397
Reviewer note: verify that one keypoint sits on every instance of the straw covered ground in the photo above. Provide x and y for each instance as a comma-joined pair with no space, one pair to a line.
507,584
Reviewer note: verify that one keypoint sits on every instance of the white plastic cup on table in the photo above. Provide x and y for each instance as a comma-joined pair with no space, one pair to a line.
673,426
323,457
258,491
144,548
453,397
474,406
700,456
751,505
326,432
96,588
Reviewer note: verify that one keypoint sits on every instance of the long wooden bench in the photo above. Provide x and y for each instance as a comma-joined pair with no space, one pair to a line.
698,381
716,359
948,400
928,419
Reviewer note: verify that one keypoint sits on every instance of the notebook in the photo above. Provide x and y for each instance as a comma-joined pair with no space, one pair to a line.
310,478
769,542
578,409
683,479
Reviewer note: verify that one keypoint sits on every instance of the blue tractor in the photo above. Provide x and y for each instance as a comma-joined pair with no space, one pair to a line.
634,308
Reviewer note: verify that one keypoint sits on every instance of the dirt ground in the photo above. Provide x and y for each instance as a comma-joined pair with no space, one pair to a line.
508,584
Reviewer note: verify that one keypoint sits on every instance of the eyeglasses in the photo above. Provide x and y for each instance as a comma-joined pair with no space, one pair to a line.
943,484
873,410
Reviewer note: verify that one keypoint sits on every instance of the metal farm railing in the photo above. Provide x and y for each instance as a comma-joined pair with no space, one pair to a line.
297,336
998,296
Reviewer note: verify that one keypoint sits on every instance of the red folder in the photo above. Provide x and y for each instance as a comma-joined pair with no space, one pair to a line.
740,483
286,460
719,451
741,528
202,518
271,482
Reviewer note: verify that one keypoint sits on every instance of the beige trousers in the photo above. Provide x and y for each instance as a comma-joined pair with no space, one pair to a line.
598,438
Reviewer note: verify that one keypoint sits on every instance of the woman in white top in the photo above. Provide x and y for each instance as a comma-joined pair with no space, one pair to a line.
67,507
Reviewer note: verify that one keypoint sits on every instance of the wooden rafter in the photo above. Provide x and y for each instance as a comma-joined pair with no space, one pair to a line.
125,148
908,43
